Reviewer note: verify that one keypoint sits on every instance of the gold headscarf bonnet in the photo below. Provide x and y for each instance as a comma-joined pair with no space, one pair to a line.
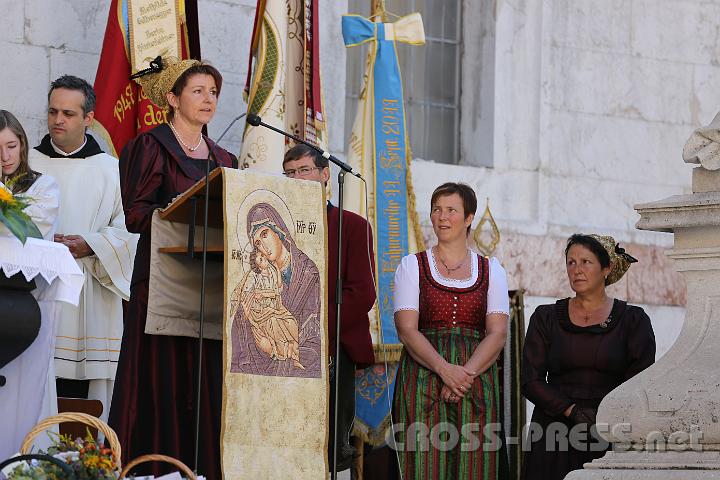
619,260
158,80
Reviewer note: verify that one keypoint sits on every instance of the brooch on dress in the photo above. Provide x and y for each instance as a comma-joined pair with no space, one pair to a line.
606,322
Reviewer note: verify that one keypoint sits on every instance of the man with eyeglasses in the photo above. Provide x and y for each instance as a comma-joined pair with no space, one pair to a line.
356,350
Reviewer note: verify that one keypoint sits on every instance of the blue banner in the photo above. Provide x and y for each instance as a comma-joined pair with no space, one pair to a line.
389,160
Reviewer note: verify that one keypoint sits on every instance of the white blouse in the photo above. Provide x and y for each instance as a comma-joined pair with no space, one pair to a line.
407,283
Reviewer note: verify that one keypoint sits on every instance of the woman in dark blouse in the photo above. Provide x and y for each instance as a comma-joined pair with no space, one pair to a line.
576,351
154,394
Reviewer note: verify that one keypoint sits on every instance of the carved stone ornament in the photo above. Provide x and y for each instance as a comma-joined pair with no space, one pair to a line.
703,146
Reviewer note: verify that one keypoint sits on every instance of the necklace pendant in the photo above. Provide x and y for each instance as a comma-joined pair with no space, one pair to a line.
453,269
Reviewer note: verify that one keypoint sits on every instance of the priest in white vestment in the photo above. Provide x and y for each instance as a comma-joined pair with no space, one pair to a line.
91,224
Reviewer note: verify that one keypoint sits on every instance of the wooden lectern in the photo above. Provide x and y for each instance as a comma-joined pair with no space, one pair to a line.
175,269
187,208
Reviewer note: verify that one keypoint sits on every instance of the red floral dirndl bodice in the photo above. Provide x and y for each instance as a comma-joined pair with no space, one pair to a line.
448,307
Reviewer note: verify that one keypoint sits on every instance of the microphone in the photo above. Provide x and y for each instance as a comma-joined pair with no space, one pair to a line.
228,127
255,121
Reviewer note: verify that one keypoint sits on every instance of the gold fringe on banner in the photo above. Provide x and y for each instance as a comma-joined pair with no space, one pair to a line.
374,437
412,204
386,352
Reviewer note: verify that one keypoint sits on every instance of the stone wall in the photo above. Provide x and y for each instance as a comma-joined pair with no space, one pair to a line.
41,40
591,105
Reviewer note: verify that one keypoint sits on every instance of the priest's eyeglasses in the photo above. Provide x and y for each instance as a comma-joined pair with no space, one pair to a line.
300,172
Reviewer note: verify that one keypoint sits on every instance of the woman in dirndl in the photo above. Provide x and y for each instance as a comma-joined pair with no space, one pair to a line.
451,313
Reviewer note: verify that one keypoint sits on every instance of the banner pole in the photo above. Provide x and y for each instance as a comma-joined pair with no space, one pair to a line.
378,8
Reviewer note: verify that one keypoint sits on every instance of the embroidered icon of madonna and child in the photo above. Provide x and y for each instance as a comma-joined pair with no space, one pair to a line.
275,308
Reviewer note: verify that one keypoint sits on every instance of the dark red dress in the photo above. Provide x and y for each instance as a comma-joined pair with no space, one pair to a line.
153,401
564,364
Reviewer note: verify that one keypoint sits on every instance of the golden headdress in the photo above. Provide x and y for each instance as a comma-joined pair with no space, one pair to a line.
619,260
158,80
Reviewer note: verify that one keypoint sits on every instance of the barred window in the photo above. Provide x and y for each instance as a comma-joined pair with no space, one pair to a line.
431,77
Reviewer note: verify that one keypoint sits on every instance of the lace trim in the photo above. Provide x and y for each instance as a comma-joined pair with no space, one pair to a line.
454,282
497,311
37,257
400,309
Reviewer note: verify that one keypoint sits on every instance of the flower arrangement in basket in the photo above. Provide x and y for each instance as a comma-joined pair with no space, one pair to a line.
12,215
86,458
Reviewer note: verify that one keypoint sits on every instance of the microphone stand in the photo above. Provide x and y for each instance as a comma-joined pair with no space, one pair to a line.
191,248
338,311
228,127
202,310
255,120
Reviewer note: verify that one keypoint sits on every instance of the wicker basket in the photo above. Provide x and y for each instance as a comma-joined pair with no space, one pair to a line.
75,417
158,458
67,469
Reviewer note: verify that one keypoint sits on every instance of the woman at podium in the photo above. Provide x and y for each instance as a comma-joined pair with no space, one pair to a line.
155,385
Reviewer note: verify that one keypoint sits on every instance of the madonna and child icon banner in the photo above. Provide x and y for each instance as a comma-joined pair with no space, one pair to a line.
275,411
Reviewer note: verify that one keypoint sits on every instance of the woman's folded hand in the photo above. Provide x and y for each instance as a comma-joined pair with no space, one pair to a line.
456,378
447,396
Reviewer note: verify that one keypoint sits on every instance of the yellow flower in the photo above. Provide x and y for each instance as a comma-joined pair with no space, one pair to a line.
6,196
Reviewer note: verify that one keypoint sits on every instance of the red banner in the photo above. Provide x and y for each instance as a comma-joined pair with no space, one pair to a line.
122,109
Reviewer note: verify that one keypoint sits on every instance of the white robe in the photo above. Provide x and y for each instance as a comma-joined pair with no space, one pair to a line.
29,394
89,335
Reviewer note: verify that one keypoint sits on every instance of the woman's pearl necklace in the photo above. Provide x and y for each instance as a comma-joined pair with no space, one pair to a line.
177,135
